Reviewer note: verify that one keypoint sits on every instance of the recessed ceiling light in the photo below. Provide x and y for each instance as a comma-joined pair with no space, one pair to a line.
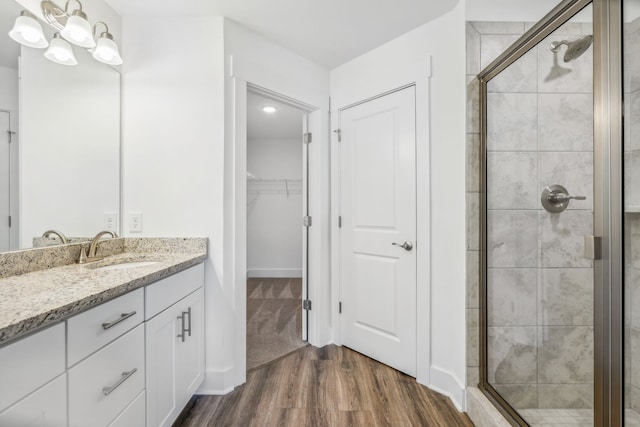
269,109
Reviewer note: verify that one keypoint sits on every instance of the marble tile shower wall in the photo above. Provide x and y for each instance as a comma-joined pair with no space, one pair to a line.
539,128
631,66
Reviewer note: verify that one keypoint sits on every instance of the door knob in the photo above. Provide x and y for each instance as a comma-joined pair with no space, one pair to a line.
407,246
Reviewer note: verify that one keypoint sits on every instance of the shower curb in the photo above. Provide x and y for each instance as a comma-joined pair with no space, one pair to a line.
482,412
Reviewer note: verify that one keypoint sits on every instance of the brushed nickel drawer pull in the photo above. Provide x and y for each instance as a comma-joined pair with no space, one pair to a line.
182,335
123,317
125,376
189,313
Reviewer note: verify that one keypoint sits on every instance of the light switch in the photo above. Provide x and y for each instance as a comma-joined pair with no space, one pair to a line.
135,222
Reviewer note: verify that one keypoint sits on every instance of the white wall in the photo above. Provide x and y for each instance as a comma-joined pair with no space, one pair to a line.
9,102
69,145
274,221
173,151
393,65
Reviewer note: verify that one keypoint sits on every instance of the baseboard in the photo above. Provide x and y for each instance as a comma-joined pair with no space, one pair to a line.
276,273
217,382
444,382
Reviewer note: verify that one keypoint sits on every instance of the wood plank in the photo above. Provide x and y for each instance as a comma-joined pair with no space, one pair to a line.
329,386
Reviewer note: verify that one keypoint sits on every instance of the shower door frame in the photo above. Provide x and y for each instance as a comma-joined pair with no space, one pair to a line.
607,207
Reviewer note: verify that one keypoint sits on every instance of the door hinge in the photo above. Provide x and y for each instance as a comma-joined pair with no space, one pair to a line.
306,304
340,307
10,133
306,221
339,133
339,222
9,221
593,247
308,137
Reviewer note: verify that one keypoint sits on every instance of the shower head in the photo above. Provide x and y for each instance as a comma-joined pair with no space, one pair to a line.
574,49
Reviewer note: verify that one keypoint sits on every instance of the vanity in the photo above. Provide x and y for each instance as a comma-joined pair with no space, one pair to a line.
118,342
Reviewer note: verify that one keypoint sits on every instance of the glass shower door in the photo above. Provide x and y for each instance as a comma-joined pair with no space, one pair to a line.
539,286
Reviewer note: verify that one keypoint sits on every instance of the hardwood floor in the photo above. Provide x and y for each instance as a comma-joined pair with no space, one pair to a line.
330,386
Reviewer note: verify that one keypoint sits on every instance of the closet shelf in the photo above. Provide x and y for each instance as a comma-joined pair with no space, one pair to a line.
274,186
632,209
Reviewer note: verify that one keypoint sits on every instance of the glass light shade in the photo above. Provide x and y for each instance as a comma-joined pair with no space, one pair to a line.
107,51
78,30
60,51
28,31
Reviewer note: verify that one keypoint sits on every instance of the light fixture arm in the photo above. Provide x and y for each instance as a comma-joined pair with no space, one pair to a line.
66,6
106,32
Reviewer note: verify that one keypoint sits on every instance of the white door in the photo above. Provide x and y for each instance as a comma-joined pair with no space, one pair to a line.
378,213
5,171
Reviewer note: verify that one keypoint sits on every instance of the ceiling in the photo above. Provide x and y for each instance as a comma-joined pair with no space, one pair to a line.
328,32
283,124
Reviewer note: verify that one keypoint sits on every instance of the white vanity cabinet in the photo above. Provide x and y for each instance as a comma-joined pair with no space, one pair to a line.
33,381
174,346
133,361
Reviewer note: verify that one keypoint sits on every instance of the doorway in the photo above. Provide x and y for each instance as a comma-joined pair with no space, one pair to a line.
276,236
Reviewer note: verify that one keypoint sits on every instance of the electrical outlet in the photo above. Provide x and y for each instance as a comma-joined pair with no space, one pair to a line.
110,221
135,222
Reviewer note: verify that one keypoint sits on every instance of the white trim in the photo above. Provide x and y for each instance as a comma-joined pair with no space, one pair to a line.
275,272
421,77
444,382
217,382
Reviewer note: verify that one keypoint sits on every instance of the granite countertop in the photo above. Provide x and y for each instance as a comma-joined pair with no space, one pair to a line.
37,299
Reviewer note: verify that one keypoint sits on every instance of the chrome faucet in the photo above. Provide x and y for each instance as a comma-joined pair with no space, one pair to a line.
93,247
61,236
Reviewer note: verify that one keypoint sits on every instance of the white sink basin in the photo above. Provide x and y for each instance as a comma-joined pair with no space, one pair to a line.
127,265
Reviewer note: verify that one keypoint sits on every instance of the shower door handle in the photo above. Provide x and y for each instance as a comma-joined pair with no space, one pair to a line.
407,246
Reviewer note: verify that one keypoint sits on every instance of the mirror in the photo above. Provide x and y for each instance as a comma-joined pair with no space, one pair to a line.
61,169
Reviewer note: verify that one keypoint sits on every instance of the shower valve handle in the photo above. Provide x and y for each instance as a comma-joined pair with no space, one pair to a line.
555,198
562,197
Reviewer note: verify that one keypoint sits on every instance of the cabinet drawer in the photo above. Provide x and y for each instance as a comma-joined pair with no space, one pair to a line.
45,407
167,291
93,329
133,415
29,363
101,386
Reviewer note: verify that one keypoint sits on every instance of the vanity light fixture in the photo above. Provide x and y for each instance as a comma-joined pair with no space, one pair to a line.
78,30
60,51
269,109
106,49
74,28
28,31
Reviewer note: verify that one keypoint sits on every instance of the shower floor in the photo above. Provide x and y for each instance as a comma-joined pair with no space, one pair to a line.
569,417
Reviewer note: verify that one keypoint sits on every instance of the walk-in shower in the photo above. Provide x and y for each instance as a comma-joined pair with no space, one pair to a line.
559,203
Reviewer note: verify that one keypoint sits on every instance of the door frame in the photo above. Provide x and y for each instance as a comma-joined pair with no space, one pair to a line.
235,232
432,376
14,187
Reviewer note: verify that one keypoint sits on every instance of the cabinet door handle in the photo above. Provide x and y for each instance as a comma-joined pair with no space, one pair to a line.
189,313
182,335
125,376
122,318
